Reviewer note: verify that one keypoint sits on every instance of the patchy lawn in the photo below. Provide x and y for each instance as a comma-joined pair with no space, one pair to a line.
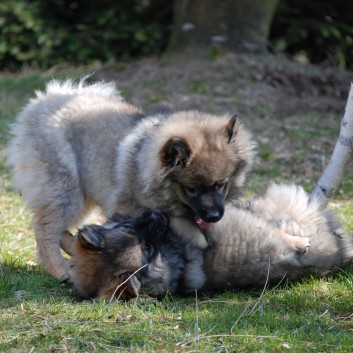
294,112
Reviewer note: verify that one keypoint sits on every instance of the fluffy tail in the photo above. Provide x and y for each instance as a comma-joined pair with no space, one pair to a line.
72,87
342,154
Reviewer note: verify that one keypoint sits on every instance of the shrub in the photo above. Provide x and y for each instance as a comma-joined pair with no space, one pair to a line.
320,29
45,33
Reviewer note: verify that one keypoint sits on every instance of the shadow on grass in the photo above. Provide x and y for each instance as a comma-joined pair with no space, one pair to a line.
31,283
48,314
25,282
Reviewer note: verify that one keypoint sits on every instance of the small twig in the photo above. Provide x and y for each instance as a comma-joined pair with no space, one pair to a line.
120,294
340,321
121,284
107,347
241,315
262,293
197,318
210,301
279,283
343,271
323,314
183,344
138,309
265,286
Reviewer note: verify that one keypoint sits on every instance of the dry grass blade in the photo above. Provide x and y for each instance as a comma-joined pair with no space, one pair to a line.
185,343
197,328
264,289
121,284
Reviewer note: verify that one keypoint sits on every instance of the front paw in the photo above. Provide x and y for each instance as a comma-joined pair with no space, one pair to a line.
199,241
189,232
292,227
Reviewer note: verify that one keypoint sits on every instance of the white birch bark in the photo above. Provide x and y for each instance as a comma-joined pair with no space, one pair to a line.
342,154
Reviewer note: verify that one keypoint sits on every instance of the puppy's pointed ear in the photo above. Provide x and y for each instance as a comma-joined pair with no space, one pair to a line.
90,237
175,153
232,128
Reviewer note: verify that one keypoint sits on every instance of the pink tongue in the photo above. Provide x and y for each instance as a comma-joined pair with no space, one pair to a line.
202,224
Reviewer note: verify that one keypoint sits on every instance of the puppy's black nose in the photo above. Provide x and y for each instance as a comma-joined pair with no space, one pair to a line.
213,216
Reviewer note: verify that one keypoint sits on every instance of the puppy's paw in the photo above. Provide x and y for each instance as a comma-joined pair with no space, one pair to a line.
65,276
302,244
297,244
199,241
292,227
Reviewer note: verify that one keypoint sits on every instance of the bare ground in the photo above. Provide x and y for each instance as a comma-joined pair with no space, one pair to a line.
294,110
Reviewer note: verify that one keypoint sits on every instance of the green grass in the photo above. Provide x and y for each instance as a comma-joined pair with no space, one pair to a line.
39,314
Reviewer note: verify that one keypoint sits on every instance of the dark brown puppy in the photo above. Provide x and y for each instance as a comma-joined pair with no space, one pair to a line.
104,258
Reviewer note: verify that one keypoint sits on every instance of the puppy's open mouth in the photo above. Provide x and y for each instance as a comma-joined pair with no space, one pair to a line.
205,222
201,223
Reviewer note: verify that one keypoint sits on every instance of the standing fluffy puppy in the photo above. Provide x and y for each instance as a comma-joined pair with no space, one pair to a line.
76,146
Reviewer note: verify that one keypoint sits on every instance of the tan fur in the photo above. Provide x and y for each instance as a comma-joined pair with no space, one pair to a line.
94,275
102,258
79,146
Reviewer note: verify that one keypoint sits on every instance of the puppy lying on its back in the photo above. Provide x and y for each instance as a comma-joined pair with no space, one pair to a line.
265,239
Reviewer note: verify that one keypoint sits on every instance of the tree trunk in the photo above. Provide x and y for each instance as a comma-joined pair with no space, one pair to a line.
342,154
236,25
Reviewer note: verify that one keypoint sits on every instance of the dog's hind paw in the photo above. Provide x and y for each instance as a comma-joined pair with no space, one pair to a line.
297,244
302,244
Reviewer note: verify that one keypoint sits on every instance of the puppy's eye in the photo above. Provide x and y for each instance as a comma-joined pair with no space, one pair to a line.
220,187
191,190
149,251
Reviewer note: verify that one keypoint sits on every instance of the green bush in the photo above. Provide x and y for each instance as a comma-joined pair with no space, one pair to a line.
22,34
45,33
320,29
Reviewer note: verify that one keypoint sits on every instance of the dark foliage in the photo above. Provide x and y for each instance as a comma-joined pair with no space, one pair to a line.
47,32
320,29
44,33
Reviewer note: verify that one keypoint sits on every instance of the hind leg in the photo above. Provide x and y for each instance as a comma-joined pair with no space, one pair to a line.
51,222
49,252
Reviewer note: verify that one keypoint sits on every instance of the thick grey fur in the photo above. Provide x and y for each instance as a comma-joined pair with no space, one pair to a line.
261,241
